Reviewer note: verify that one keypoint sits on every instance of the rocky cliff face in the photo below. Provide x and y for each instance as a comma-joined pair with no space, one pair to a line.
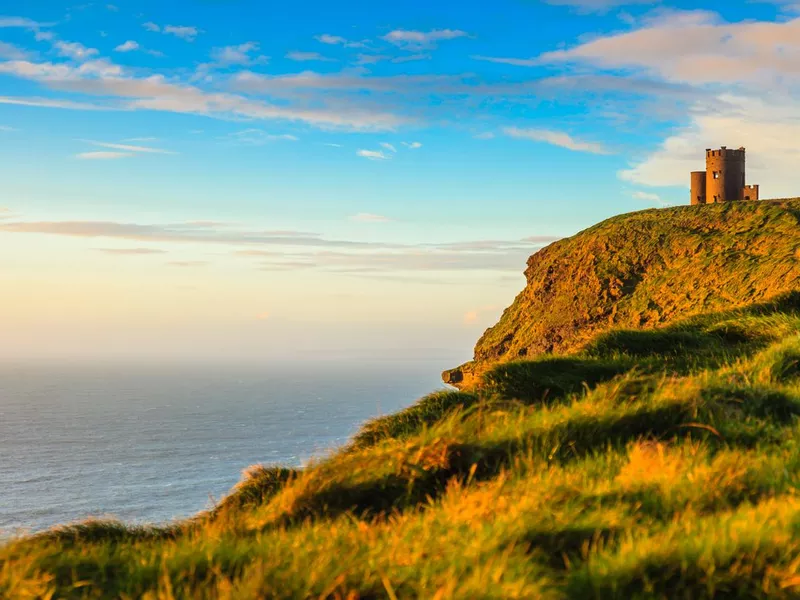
642,270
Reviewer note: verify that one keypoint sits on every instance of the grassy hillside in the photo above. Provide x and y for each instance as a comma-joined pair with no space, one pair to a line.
643,270
644,462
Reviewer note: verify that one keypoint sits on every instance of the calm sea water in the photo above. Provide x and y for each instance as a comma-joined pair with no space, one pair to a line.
150,444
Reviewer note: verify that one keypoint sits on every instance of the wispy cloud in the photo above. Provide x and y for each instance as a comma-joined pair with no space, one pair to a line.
373,154
370,218
422,39
556,138
647,197
50,103
288,250
8,128
102,155
337,40
128,46
187,263
12,52
184,32
517,62
110,81
412,145
242,54
5,213
130,147
21,22
75,50
308,56
258,137
388,146
131,251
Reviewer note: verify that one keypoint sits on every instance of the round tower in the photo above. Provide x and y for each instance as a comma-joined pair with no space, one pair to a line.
724,175
698,187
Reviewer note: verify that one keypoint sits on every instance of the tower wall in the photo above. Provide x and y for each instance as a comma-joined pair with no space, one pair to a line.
724,175
750,192
698,187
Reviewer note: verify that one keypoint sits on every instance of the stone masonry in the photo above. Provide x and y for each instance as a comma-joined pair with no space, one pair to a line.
723,180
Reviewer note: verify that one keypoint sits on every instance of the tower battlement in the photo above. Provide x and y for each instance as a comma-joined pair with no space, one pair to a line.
724,178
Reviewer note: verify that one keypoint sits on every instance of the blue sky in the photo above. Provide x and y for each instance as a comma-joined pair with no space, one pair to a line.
249,179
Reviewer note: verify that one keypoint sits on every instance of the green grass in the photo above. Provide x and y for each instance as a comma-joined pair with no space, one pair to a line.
645,462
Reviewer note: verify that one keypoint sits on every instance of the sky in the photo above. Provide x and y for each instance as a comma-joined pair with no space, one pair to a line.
249,180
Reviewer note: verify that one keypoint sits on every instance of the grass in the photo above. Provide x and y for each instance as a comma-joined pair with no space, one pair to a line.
656,461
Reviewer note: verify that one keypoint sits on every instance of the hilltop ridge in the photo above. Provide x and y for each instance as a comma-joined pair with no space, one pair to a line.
642,270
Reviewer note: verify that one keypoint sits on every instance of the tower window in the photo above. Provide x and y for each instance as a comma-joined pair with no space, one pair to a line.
716,174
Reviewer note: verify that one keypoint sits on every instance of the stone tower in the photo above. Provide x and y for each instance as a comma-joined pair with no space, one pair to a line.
723,180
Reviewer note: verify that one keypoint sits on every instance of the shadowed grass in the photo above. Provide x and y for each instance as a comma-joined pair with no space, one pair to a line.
412,420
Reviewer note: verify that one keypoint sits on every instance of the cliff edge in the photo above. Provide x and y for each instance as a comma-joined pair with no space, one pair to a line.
642,270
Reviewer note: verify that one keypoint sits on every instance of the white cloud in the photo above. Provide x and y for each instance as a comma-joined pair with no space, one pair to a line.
127,46
185,33
422,39
373,154
556,138
748,71
388,146
697,47
75,50
130,148
335,40
412,145
150,26
7,128
370,218
307,56
486,135
769,128
102,155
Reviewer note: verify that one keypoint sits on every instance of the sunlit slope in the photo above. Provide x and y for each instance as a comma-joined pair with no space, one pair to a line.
642,270
653,462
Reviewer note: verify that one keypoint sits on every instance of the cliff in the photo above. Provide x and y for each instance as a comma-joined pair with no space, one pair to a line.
643,270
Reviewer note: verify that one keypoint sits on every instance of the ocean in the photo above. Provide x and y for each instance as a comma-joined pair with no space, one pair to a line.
148,444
